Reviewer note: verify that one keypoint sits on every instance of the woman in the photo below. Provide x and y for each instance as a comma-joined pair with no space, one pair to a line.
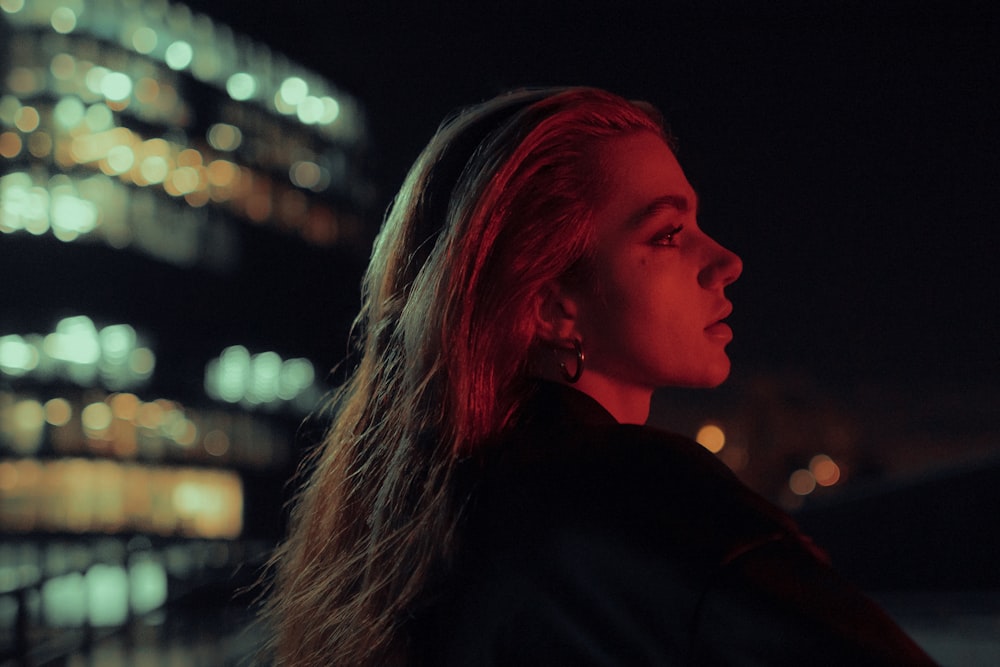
487,494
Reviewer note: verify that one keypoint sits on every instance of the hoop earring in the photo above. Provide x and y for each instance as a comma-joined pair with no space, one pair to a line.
573,377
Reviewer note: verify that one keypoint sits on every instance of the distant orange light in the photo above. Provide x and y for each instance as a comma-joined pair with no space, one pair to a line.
26,119
825,470
10,145
711,437
58,411
802,482
147,90
125,406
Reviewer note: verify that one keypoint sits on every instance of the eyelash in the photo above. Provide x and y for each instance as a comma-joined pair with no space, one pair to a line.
666,239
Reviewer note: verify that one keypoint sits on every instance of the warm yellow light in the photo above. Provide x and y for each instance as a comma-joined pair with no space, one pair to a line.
185,180
10,145
224,137
281,105
26,119
156,146
186,434
58,411
154,169
8,476
222,173
711,437
198,198
142,361
189,157
63,66
802,482
120,159
96,417
149,415
825,470
125,406
28,415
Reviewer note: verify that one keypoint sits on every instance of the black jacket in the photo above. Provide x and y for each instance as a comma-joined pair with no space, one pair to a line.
588,542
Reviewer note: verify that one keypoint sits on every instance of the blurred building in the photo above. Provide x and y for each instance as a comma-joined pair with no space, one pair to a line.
159,175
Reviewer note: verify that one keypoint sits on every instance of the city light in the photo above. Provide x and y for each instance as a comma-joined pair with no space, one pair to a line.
711,437
106,496
77,351
263,379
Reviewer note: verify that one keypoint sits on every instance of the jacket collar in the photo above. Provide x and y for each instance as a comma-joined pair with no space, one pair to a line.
552,402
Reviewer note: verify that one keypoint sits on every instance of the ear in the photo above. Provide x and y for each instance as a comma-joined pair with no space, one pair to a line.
556,314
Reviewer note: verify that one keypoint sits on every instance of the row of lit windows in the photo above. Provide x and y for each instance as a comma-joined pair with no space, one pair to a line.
99,208
69,585
115,358
62,67
171,34
77,351
105,496
106,582
70,69
185,173
122,425
102,596
262,379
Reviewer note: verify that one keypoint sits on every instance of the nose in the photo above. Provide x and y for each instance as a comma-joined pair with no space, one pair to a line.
722,268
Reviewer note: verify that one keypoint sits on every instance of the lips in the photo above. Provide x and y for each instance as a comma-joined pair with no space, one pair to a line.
723,313
719,330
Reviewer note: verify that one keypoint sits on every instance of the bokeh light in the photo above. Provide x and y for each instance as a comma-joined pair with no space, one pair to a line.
179,55
824,469
802,482
711,437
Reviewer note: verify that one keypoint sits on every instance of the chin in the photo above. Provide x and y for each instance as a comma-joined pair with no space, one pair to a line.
713,376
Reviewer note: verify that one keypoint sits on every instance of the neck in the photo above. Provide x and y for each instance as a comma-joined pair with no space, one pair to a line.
628,404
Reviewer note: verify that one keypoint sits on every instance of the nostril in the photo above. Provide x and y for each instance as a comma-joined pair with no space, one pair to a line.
723,270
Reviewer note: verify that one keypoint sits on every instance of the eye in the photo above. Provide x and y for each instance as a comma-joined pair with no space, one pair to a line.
668,237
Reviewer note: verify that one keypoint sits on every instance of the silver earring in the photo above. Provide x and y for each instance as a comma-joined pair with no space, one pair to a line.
573,377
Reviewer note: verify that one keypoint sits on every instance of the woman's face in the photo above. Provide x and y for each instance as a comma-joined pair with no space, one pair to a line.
652,317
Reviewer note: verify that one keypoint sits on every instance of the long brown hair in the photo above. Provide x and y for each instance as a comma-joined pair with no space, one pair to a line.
495,207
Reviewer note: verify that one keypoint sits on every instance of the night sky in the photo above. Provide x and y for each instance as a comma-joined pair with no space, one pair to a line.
849,154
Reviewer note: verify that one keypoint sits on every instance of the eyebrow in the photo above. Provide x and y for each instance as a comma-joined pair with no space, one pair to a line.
679,203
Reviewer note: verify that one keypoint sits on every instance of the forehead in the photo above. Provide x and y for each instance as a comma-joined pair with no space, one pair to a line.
640,170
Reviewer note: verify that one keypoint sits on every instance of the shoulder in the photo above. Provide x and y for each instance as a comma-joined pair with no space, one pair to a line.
628,483
593,546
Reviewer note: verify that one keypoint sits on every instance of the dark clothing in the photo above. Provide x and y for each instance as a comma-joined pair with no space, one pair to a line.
588,542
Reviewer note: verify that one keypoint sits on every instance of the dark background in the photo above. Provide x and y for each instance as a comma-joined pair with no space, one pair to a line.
848,153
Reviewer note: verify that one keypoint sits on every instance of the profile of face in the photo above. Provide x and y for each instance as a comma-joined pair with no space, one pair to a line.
651,312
